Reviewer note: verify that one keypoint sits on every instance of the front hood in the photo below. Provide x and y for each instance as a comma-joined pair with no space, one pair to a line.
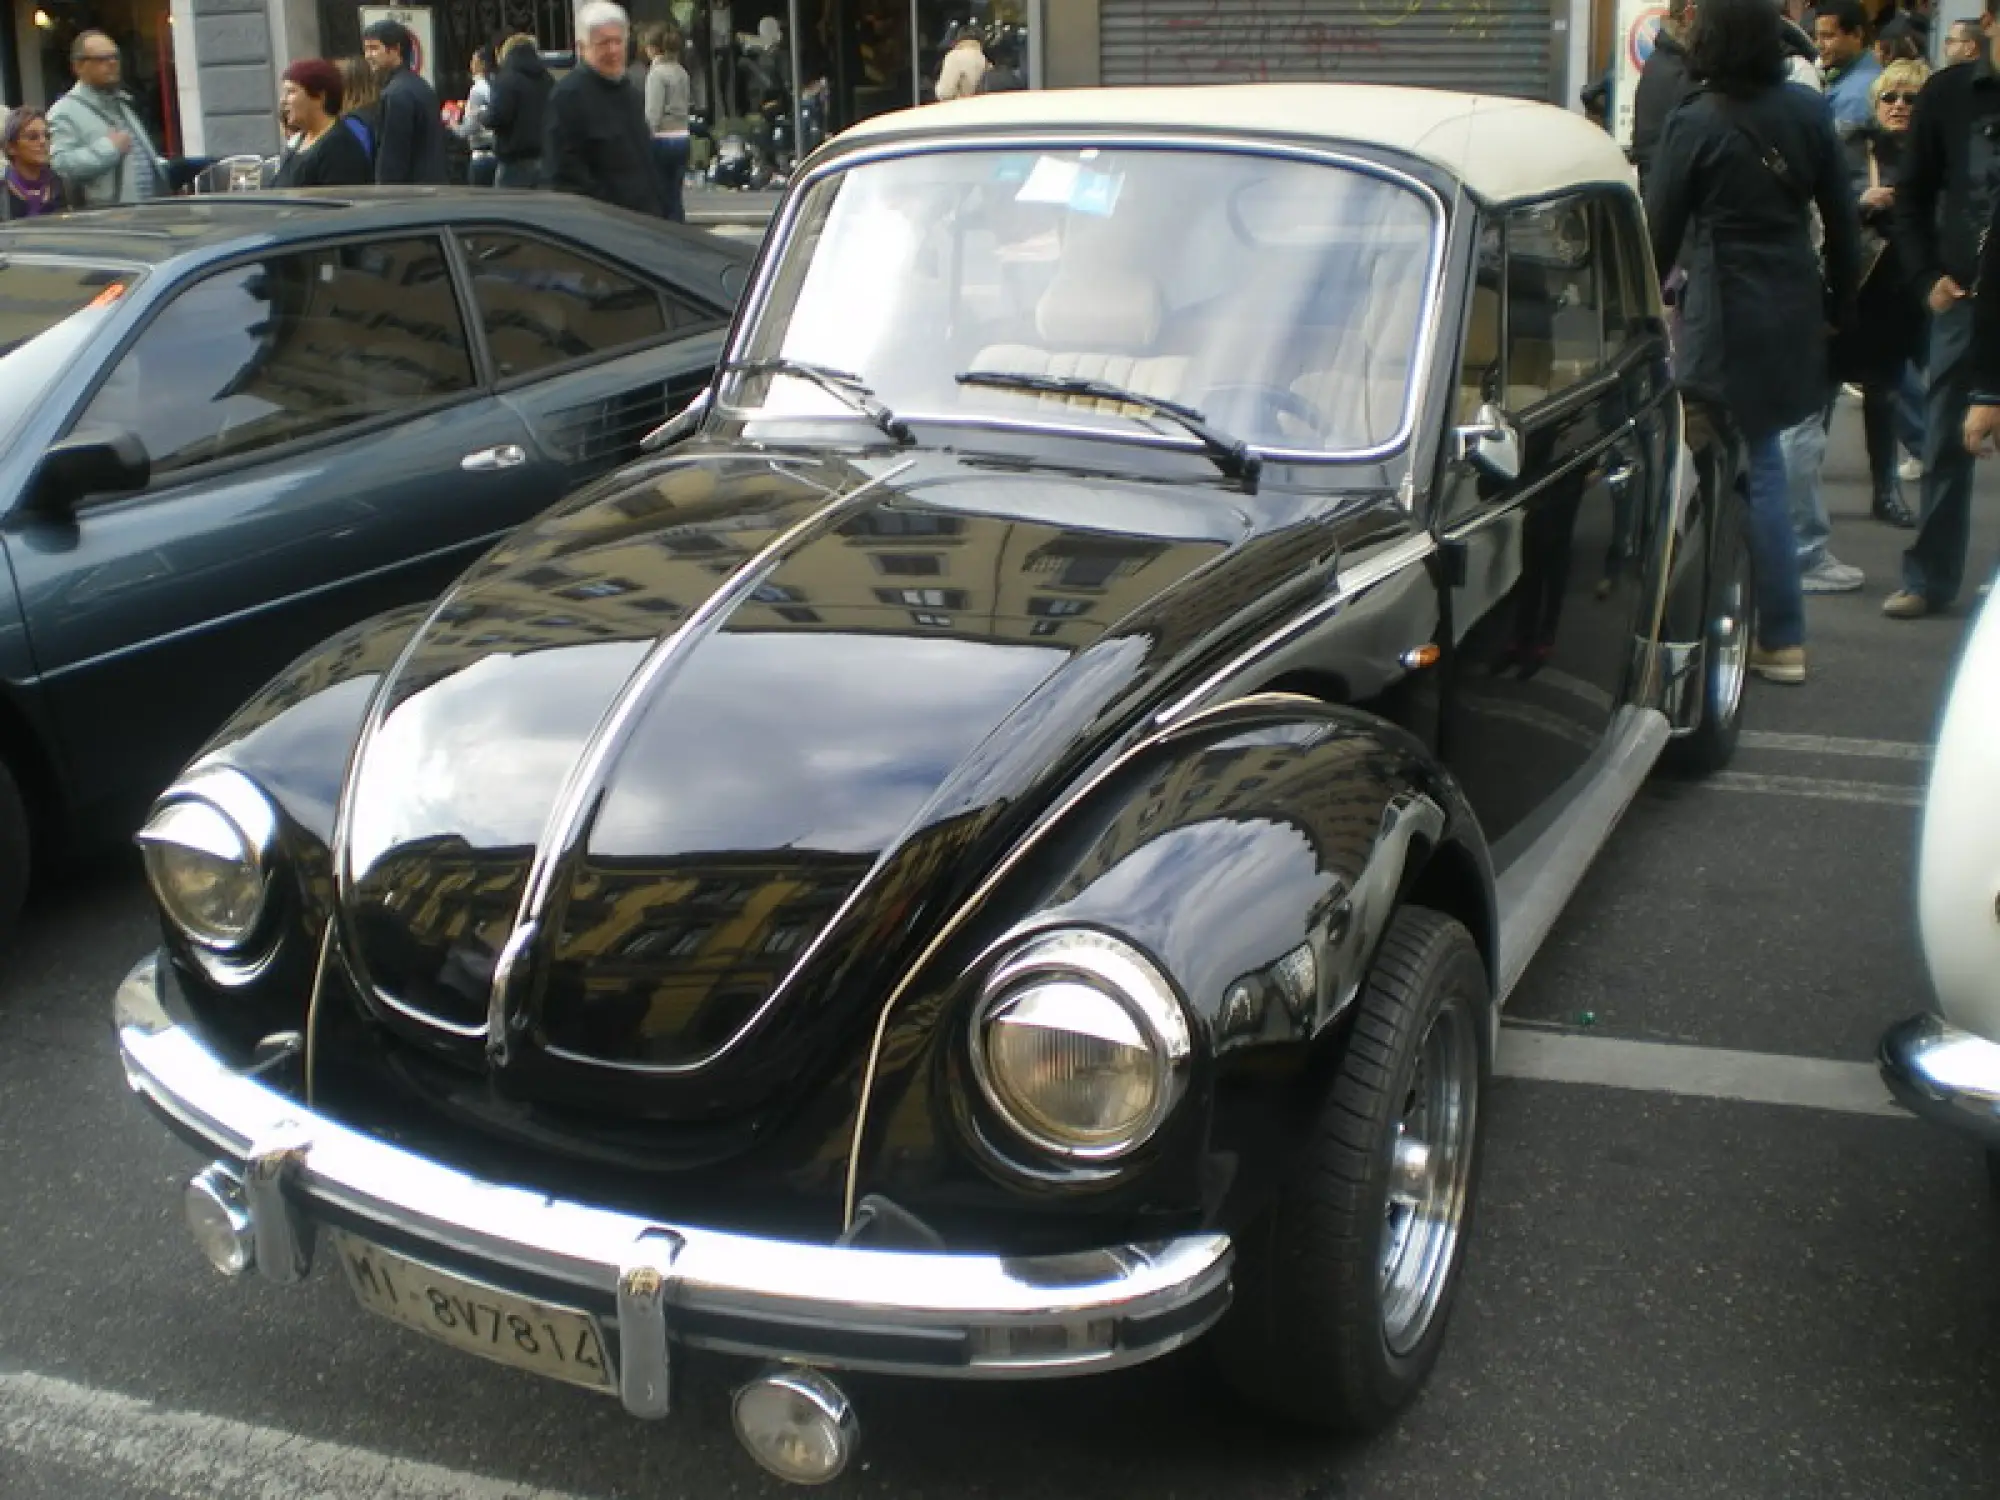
697,716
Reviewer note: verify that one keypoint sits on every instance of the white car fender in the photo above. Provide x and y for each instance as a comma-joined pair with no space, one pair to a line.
1958,862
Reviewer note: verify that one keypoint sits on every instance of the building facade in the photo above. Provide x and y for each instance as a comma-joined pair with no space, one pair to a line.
1534,49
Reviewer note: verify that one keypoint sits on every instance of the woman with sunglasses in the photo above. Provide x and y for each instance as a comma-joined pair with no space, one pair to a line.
32,187
1887,334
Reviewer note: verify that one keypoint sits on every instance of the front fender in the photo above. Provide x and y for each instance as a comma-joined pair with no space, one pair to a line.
1257,854
294,736
292,739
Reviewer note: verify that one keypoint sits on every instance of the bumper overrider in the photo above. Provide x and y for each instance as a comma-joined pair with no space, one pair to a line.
1944,1074
284,1173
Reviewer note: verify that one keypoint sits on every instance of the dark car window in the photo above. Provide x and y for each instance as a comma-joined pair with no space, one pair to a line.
1555,305
290,347
545,306
48,309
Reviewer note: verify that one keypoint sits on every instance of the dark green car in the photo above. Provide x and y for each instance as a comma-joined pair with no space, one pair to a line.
231,427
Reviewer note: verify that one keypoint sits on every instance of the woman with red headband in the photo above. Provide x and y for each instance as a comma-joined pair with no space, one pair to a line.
330,152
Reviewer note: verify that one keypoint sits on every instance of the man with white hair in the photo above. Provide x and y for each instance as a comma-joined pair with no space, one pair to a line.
598,142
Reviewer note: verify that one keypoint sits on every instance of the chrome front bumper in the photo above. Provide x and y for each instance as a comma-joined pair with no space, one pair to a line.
904,1312
1944,1074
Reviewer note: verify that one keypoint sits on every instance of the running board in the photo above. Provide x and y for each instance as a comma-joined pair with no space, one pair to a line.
1540,880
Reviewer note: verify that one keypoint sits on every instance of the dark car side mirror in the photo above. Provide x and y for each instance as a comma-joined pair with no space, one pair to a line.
90,461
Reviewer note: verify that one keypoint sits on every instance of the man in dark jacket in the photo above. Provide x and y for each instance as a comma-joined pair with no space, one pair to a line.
1663,83
1944,200
410,146
598,143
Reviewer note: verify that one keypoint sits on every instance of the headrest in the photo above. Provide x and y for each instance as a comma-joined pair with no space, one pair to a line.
1107,313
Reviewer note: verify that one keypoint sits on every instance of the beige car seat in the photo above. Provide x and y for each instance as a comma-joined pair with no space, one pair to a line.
1099,326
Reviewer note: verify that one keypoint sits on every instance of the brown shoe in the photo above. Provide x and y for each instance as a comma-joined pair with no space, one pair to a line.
1779,663
1904,605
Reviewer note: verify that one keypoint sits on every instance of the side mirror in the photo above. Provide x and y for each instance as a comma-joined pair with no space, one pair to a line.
90,461
1491,444
680,424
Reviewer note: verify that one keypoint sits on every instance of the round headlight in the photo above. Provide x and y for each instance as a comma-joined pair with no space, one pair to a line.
1080,1045
206,848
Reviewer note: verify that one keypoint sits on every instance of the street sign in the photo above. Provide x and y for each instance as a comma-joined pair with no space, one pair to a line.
1638,24
416,20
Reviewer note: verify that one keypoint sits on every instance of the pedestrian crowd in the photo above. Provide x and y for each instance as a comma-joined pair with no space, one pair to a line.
615,128
1820,200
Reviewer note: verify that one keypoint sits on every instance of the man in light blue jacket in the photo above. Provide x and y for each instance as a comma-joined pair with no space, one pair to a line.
97,143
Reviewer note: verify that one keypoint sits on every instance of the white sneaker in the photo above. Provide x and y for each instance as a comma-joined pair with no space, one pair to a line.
1911,467
1832,576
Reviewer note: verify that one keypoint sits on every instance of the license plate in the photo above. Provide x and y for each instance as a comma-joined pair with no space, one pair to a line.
471,1315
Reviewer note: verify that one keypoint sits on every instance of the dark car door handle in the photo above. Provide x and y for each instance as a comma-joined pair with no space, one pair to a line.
499,456
1621,474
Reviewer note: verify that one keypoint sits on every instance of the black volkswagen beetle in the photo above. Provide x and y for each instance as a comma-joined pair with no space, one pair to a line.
999,849
231,426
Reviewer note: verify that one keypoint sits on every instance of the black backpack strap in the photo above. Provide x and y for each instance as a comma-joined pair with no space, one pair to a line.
1773,160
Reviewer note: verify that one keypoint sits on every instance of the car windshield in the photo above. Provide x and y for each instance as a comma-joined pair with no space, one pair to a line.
48,308
1281,299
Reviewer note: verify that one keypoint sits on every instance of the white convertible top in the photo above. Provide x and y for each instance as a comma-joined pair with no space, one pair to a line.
1502,149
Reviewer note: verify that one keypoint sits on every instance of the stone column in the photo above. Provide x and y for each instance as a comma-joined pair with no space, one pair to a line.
235,77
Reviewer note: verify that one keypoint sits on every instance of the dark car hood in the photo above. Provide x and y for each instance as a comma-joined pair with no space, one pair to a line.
738,703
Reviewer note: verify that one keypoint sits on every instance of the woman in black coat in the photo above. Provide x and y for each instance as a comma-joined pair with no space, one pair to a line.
1741,166
517,111
1887,335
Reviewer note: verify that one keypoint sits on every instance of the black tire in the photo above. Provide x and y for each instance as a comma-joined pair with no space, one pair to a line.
1729,627
16,849
1312,1335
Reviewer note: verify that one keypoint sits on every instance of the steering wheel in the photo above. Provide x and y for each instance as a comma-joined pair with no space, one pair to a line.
1250,410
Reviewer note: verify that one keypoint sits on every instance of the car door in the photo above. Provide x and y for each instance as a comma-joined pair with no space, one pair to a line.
1541,565
590,355
308,414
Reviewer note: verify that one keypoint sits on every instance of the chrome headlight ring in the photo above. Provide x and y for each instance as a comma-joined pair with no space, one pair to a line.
211,847
1088,998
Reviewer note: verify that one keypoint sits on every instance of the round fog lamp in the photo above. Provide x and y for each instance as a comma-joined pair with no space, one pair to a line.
796,1424
220,1224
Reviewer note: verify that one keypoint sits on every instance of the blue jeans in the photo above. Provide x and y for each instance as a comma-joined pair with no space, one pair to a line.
1910,409
1781,605
670,160
1934,565
1804,450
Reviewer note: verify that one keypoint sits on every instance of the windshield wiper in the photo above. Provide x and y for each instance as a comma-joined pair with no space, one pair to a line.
836,383
1234,457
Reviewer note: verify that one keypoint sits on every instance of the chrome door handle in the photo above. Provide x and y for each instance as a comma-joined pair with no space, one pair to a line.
1621,476
500,456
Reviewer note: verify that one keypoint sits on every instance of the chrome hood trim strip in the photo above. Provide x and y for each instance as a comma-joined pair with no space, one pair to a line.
561,841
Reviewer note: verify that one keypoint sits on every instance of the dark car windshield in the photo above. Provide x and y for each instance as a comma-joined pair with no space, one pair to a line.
48,309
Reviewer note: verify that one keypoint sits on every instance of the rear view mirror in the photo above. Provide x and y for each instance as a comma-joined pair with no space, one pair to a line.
91,461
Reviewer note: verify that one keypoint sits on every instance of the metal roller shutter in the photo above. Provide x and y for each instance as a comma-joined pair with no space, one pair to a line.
1485,46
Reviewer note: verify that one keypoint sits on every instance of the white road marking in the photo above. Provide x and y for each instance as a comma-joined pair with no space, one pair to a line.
188,1456
1883,793
1834,744
1694,1072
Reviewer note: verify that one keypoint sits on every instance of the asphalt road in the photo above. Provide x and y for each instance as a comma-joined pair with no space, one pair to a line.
1671,1292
